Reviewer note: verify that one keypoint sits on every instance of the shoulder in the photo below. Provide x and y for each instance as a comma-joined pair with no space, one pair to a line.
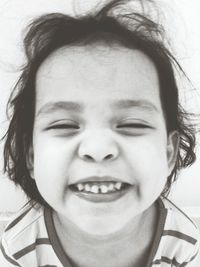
178,220
26,218
180,234
24,228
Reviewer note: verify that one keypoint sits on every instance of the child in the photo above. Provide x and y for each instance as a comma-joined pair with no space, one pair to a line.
95,140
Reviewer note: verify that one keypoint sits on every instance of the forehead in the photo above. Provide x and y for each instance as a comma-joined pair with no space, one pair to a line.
97,74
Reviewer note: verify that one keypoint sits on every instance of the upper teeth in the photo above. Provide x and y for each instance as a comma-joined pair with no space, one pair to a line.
98,187
94,189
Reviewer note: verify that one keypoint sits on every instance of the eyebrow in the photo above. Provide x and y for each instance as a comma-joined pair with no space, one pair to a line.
141,103
63,105
78,107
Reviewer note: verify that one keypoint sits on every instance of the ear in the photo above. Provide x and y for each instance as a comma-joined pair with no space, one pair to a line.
172,149
30,161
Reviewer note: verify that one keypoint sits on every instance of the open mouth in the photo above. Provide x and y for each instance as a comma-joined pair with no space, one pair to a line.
100,191
103,187
100,188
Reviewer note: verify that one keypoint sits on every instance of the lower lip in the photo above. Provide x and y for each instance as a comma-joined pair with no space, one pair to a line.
103,197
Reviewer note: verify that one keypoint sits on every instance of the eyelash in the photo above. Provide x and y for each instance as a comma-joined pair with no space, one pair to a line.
128,125
133,125
63,126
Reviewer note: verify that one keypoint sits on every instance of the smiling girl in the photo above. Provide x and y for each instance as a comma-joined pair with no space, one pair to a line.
95,141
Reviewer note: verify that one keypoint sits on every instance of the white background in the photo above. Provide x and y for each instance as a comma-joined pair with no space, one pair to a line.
182,22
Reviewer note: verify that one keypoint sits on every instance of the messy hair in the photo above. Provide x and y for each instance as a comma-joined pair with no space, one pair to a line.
50,32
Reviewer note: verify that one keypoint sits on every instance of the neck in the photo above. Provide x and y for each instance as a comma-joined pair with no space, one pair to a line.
88,250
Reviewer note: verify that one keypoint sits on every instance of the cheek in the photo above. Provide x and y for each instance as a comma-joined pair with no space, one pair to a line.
51,161
149,162
150,170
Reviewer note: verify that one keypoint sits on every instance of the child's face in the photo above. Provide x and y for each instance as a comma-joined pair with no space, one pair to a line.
98,114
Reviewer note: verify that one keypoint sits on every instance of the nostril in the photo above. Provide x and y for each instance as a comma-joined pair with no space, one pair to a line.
88,157
109,156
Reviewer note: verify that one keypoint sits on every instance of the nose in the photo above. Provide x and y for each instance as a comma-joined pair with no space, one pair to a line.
98,147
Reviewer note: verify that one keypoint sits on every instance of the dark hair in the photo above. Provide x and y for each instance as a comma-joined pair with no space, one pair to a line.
53,31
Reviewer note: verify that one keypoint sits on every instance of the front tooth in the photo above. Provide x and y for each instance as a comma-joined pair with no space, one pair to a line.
104,189
87,187
111,187
118,185
94,189
80,187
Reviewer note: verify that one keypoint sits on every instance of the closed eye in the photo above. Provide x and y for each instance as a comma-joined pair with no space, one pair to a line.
63,126
134,129
134,125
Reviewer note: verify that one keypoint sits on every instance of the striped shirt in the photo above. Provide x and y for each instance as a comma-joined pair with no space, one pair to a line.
30,239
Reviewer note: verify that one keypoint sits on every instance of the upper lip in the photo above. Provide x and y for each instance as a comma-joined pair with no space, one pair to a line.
99,179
